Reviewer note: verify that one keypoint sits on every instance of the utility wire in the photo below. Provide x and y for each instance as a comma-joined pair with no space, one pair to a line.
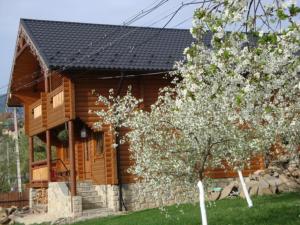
87,55
64,68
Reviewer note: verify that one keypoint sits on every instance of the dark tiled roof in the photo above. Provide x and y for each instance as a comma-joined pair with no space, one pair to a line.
94,46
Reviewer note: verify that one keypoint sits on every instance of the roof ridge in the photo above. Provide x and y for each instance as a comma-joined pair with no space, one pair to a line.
100,24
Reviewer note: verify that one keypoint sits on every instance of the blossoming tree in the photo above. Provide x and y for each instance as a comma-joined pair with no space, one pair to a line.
230,100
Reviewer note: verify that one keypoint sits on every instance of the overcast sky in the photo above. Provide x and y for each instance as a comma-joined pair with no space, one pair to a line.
94,11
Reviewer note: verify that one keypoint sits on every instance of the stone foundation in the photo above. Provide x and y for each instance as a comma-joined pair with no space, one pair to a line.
60,203
136,199
111,196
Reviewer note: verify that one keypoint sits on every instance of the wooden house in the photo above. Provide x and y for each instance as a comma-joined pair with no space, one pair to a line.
56,67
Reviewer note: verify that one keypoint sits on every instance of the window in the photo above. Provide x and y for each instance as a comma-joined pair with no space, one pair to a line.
99,136
58,99
37,111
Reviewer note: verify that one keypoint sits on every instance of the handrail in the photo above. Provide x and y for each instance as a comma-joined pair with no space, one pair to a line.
56,91
39,163
36,103
62,162
66,169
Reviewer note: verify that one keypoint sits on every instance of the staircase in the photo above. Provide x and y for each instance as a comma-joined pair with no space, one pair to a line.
90,197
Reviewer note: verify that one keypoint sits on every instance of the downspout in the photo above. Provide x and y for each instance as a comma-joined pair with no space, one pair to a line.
121,200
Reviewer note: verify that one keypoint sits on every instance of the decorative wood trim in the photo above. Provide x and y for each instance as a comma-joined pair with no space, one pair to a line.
34,50
21,50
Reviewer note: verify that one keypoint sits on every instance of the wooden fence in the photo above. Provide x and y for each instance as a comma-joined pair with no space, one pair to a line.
14,199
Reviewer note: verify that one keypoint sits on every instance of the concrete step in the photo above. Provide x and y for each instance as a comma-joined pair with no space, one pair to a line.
91,199
87,193
94,205
97,212
85,189
85,184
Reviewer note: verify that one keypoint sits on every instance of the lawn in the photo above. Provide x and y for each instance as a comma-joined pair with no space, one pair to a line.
281,209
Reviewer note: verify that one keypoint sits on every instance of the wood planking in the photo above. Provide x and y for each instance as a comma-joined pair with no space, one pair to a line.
142,87
35,125
80,159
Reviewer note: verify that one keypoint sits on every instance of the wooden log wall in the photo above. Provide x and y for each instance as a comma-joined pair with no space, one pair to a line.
146,88
104,168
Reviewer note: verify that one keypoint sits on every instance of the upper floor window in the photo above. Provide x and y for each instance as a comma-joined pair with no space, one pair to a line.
58,99
37,111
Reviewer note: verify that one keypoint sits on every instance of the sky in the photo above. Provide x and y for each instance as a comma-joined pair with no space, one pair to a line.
93,11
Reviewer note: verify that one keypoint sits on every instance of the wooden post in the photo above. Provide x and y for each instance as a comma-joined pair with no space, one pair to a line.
31,157
72,157
48,149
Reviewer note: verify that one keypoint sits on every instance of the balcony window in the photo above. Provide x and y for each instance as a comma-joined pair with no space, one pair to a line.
58,99
37,111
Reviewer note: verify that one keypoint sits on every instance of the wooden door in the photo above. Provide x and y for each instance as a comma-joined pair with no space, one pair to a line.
87,159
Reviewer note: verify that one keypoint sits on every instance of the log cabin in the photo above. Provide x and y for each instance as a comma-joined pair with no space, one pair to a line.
56,67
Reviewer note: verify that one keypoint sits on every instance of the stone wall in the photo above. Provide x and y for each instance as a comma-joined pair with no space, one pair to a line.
136,198
110,194
60,203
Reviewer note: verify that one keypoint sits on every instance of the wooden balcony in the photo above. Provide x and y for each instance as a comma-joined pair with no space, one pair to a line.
40,176
39,171
52,109
35,118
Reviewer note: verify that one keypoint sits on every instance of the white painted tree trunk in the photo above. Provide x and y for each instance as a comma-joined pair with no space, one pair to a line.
245,190
202,203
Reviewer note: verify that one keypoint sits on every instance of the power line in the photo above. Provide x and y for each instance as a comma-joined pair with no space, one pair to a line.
146,12
64,68
87,55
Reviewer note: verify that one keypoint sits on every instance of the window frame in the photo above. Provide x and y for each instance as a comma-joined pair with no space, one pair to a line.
98,154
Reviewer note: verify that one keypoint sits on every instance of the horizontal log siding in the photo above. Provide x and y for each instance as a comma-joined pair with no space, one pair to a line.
146,88
35,125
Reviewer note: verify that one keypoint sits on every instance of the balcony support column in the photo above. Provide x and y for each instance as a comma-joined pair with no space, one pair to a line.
31,157
72,157
48,150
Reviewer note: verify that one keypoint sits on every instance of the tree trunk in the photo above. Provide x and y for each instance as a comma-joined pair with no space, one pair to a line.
245,190
202,203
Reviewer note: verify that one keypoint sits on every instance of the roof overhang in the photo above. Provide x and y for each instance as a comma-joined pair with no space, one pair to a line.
26,53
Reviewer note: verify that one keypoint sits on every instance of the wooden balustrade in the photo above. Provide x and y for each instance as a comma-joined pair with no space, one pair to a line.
56,107
52,109
35,118
39,171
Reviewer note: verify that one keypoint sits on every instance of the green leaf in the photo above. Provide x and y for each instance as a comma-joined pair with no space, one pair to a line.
226,54
281,15
200,14
268,109
239,99
294,10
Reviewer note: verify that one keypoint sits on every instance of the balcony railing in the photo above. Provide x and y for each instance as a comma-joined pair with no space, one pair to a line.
39,171
52,109
35,117
56,107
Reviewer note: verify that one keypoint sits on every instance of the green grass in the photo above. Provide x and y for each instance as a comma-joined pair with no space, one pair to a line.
281,209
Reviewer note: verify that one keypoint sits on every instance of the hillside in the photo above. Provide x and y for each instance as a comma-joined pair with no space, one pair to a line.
3,107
